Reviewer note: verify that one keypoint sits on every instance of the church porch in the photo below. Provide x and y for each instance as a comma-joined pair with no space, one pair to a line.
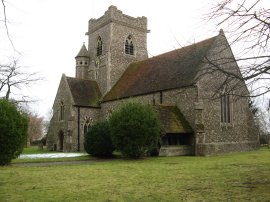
176,133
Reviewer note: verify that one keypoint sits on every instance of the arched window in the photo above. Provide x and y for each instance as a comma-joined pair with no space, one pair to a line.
62,110
87,125
129,47
99,46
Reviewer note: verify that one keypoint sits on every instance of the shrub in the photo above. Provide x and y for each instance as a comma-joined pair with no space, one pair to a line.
97,140
135,129
13,131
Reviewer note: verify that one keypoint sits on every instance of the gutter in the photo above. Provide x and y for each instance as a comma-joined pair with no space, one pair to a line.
147,93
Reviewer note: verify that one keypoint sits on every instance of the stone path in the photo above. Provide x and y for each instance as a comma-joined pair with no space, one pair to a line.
50,155
57,163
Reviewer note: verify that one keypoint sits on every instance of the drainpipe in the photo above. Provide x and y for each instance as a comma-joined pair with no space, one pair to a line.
78,119
195,134
160,97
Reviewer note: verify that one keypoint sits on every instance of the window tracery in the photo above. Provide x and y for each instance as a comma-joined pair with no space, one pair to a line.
129,47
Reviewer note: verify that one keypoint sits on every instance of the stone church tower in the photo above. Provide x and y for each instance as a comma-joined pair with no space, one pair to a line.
114,41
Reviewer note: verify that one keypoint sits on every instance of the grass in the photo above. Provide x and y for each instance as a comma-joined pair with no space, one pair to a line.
231,177
35,150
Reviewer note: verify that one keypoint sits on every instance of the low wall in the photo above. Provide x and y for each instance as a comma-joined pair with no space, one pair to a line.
221,148
177,150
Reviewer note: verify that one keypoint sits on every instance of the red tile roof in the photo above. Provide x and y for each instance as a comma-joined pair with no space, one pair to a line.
170,70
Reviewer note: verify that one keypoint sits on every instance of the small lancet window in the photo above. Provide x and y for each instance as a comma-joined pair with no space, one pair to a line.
99,46
225,108
62,111
129,47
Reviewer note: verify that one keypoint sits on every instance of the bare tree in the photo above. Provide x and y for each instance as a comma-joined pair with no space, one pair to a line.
35,127
5,21
13,78
247,23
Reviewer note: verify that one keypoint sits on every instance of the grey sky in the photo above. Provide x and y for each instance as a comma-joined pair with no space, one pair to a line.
49,34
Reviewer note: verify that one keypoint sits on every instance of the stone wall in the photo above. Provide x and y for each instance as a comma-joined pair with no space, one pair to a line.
218,137
57,125
180,150
82,114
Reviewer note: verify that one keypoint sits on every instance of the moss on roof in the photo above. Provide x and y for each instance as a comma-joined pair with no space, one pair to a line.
172,120
170,70
84,92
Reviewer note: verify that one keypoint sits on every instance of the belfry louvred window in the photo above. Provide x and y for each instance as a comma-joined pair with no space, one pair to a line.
129,47
99,46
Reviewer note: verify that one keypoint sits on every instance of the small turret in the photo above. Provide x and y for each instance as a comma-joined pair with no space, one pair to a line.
82,63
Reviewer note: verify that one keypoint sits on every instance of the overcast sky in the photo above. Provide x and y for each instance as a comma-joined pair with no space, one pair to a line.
49,33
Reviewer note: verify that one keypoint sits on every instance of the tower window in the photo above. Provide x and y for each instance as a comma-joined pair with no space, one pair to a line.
129,47
99,46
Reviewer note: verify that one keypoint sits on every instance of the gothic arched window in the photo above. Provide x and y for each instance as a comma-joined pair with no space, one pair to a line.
99,46
86,126
129,47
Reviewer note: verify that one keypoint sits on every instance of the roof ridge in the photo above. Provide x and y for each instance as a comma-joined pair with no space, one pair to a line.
80,79
187,46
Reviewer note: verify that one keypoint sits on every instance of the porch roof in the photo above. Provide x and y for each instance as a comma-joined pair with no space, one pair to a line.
172,120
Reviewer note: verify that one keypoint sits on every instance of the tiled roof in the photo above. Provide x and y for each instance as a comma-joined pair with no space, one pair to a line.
83,52
172,120
170,70
84,92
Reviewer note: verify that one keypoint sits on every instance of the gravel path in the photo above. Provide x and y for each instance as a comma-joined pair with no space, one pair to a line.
50,155
57,163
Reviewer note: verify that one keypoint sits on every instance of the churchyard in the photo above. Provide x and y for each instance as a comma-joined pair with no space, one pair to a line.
231,177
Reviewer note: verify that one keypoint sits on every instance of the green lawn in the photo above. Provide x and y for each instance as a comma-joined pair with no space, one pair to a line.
35,150
232,177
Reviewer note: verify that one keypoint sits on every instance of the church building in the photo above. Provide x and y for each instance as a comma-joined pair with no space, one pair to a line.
186,86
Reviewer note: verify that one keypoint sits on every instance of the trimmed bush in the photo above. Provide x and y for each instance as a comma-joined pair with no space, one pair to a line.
13,132
135,129
97,141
